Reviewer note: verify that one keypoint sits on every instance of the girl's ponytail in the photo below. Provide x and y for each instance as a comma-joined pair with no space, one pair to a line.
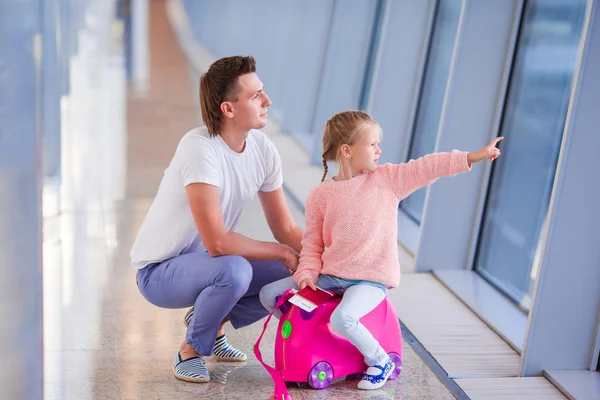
325,169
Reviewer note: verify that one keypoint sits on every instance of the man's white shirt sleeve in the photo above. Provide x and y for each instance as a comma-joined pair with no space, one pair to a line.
198,162
274,174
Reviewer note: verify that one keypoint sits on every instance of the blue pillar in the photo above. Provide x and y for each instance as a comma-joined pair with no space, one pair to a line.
51,89
21,343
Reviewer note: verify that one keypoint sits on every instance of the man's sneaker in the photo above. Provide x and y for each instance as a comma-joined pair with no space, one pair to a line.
190,370
222,351
376,376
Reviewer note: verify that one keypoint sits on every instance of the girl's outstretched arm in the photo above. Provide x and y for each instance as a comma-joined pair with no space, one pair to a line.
312,240
491,152
407,177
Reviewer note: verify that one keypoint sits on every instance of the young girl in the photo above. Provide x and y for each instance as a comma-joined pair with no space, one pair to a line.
350,241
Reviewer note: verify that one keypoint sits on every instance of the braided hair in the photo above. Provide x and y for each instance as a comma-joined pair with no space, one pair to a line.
342,128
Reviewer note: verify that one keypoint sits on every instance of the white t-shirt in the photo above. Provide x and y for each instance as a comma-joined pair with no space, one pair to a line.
169,228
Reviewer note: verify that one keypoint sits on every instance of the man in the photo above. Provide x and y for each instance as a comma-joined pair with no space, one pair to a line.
186,252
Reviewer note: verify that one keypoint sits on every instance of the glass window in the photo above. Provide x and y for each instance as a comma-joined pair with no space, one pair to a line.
533,123
432,94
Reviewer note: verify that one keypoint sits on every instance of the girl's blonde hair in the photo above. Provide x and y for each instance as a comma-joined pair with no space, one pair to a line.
342,128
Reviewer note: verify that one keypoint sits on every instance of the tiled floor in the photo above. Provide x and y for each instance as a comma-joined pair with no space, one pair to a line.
103,340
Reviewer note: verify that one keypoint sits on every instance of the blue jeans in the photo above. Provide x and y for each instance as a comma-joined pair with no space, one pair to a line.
359,299
217,287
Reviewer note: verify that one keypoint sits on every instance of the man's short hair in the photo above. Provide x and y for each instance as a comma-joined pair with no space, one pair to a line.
219,84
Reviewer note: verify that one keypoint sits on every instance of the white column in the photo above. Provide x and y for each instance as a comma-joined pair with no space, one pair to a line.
139,43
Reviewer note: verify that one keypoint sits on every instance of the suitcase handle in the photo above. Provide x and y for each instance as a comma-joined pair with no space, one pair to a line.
280,392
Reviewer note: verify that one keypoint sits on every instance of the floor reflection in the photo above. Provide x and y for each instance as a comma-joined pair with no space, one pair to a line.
103,340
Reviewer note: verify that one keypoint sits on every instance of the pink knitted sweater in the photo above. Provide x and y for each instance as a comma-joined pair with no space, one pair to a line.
352,225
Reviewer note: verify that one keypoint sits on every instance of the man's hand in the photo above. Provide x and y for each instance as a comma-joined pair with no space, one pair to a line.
490,152
307,282
204,200
290,258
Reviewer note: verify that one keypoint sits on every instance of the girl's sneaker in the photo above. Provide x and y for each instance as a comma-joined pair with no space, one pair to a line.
377,375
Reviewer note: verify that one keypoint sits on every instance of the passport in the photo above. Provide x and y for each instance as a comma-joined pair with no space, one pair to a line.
308,299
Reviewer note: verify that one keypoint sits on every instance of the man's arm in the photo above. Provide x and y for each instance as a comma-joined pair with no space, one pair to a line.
205,205
280,219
